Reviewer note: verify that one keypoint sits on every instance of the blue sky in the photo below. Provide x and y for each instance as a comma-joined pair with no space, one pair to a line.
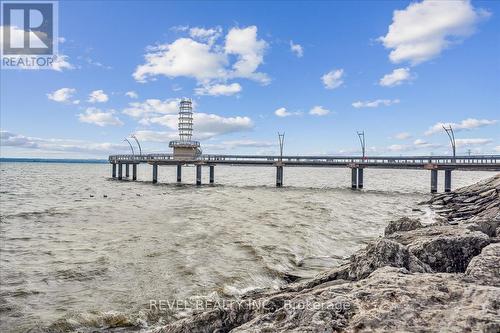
319,71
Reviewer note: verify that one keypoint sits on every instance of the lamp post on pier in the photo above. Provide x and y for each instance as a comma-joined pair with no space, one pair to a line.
138,144
361,136
451,136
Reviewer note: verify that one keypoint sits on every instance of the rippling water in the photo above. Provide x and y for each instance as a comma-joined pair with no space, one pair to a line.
80,246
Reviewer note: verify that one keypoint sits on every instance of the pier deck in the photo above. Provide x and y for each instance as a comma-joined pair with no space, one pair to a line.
355,163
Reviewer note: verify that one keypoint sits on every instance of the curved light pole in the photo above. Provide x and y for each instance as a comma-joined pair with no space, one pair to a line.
361,136
451,135
281,138
133,153
138,144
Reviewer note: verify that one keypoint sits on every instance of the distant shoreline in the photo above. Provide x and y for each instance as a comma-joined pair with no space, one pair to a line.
51,160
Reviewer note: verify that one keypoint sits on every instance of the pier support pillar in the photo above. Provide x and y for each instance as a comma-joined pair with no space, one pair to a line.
119,171
212,174
354,178
127,174
155,173
447,180
198,174
279,176
113,172
434,181
360,178
134,171
179,173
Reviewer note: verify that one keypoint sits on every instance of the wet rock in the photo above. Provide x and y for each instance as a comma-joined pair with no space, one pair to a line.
487,226
484,268
382,253
443,248
402,224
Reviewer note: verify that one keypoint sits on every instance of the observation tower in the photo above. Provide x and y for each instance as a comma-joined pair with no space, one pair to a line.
185,148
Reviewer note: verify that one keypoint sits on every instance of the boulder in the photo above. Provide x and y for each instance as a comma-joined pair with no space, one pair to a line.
380,253
444,248
485,268
402,224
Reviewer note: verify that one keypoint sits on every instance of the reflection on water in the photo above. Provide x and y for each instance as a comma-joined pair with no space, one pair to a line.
76,244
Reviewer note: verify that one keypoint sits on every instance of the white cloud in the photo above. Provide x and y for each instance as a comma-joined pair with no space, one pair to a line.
333,79
402,136
9,139
250,52
282,112
497,149
247,144
155,136
206,61
296,49
375,103
61,63
219,89
211,125
183,57
62,95
167,120
465,124
418,144
472,142
205,125
205,35
397,148
98,96
319,111
233,144
131,94
100,118
424,29
152,106
397,77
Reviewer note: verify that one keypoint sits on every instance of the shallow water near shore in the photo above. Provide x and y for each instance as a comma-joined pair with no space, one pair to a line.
75,242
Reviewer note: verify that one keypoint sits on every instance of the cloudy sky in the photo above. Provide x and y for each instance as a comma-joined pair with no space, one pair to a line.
319,72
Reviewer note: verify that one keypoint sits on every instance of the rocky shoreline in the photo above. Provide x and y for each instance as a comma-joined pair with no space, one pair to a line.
439,277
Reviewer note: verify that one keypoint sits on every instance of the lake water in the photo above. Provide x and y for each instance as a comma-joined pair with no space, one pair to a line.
77,246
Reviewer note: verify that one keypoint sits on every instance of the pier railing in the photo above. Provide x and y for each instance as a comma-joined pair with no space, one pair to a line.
320,159
357,164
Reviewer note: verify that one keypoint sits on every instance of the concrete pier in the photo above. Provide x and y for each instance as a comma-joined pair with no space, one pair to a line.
127,174
354,178
134,171
357,164
447,180
179,173
120,171
279,176
155,173
434,181
360,178
212,174
198,174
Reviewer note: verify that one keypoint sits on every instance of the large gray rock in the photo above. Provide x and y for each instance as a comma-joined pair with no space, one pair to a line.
380,253
402,224
444,248
388,300
485,268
